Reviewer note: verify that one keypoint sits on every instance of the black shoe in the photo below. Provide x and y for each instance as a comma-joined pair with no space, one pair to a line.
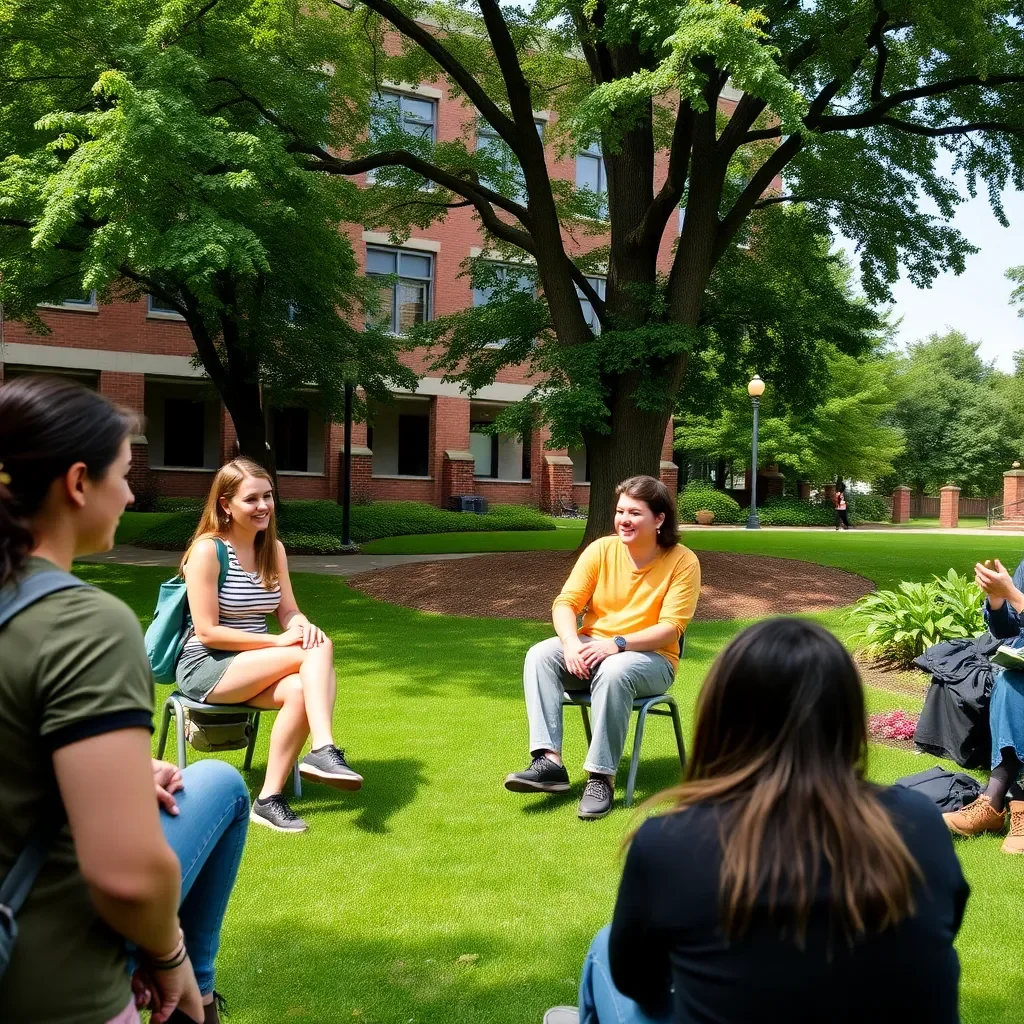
543,776
327,765
275,813
597,798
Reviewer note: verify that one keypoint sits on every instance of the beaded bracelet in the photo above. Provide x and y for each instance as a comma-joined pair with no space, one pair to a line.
172,960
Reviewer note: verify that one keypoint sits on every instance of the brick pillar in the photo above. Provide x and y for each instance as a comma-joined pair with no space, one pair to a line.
456,475
362,473
803,489
828,493
128,390
770,484
556,483
901,505
949,507
1013,492
449,432
669,471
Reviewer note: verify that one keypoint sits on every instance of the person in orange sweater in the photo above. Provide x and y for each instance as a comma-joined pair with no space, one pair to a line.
639,588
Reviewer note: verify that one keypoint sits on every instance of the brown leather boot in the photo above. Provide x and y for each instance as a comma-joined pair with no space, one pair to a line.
976,818
1015,840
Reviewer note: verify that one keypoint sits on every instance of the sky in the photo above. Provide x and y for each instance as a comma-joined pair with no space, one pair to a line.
978,301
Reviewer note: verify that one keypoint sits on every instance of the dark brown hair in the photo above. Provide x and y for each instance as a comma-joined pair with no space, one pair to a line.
655,495
47,425
780,746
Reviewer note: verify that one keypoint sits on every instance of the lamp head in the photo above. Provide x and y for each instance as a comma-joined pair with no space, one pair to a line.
756,387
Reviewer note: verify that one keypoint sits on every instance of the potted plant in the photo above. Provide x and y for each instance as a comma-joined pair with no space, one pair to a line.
704,517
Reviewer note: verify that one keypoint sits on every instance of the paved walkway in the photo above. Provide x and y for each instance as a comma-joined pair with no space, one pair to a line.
329,565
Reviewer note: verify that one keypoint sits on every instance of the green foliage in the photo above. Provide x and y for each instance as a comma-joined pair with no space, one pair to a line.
787,510
314,527
867,508
166,504
899,625
700,496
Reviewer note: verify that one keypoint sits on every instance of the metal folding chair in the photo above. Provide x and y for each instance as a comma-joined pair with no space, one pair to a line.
177,703
663,704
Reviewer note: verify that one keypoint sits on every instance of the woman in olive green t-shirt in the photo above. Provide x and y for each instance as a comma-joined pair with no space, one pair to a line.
75,719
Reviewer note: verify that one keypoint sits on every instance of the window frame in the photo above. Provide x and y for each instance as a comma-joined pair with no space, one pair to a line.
401,96
504,269
509,163
398,252
160,312
600,285
593,152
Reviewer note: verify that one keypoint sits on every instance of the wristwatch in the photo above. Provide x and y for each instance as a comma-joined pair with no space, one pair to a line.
620,642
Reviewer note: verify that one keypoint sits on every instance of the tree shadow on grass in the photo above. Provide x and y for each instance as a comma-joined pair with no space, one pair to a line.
390,785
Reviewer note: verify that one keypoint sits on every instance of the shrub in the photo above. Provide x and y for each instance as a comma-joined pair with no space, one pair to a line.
314,527
899,625
867,508
177,505
700,496
788,510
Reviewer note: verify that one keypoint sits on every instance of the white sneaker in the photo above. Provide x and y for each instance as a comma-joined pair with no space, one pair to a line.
562,1015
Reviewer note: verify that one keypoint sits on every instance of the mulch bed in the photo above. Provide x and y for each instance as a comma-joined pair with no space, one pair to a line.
906,682
522,585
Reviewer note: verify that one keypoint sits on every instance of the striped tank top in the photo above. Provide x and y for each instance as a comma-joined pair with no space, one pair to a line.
244,602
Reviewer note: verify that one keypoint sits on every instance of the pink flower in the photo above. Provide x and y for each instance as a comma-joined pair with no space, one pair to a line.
892,725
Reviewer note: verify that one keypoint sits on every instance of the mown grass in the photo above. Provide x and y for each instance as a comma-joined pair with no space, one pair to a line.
433,896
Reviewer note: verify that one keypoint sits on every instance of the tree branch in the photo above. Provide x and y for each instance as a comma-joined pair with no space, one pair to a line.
198,16
953,129
652,227
432,46
878,37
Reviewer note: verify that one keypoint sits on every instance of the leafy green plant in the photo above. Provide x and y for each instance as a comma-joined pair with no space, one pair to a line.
788,510
868,508
899,625
699,496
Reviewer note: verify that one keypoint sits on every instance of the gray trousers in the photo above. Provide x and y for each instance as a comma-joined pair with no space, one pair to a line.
614,684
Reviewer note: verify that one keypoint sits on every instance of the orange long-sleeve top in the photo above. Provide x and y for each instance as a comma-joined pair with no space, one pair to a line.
620,599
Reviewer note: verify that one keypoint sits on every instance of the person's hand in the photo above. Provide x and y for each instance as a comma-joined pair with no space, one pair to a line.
596,651
996,582
313,636
167,779
174,989
294,634
572,655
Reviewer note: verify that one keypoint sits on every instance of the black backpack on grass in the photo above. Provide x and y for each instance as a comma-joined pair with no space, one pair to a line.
949,791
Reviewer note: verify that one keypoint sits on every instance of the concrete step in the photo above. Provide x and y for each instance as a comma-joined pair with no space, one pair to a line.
1012,524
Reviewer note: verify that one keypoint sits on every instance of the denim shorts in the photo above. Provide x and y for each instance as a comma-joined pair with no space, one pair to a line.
200,669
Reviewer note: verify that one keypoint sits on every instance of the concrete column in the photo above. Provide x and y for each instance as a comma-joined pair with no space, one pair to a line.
901,505
949,507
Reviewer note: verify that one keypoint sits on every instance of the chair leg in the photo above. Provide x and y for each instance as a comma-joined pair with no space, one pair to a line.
586,724
179,723
634,761
677,726
165,723
247,763
296,780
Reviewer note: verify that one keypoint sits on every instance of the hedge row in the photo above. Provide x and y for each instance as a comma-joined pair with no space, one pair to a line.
700,496
314,527
787,510
782,510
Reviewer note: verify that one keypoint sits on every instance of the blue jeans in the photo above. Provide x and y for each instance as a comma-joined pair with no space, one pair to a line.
600,1001
208,836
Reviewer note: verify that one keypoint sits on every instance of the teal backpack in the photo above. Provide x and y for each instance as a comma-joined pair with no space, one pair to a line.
166,635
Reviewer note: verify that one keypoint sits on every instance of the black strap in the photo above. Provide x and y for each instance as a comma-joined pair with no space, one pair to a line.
18,884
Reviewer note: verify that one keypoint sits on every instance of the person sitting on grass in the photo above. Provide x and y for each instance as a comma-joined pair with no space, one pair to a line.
136,852
229,657
780,885
1004,613
639,588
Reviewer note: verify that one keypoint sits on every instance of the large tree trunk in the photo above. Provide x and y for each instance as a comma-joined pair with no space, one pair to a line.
633,447
246,408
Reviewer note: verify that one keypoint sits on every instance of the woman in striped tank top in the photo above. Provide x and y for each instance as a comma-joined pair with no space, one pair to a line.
231,658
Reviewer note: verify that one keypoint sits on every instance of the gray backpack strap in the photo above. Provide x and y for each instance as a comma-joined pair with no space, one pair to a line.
16,886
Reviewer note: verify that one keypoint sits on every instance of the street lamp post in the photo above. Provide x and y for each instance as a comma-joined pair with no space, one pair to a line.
346,474
755,389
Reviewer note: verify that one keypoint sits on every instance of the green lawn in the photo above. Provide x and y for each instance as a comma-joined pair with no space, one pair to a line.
966,523
433,896
134,524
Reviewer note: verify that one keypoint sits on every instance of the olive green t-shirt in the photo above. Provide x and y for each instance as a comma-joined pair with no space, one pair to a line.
72,666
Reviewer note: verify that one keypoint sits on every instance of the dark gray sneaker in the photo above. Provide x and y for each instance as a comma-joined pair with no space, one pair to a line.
275,813
327,765
597,798
543,776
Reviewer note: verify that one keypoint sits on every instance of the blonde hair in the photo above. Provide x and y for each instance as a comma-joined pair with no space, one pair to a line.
214,522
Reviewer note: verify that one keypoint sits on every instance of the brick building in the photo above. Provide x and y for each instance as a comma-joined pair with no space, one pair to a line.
423,446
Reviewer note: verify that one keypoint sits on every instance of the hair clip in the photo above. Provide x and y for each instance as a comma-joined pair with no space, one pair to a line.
5,478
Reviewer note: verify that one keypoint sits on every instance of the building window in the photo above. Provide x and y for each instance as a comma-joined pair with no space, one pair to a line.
490,142
413,445
86,300
160,308
415,116
484,447
599,285
527,459
504,274
580,465
590,175
184,433
406,298
291,439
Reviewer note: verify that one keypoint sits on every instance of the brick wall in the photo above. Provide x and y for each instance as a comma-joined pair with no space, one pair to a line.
525,493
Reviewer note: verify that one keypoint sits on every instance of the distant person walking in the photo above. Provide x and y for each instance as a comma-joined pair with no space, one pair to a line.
842,515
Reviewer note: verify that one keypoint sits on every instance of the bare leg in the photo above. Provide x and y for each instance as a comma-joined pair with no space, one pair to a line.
288,733
251,672
319,688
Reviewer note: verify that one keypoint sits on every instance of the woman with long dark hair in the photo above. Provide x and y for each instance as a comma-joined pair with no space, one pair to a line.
638,589
782,886
131,851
